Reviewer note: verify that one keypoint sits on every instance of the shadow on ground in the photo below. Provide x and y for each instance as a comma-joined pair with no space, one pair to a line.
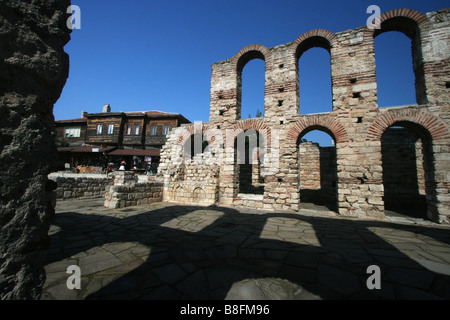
219,260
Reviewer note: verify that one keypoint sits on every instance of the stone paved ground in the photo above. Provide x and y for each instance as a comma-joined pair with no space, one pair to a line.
170,251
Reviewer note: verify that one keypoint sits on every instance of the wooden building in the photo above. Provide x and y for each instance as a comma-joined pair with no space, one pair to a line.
103,140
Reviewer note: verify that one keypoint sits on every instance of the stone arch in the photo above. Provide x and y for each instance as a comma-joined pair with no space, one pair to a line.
431,130
327,193
238,62
436,128
210,135
411,23
191,129
321,122
247,124
248,175
398,18
248,53
314,38
198,195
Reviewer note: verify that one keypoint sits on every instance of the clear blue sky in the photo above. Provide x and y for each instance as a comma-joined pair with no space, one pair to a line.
156,55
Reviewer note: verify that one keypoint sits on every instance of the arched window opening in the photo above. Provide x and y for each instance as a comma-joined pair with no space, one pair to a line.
249,158
314,75
317,171
408,172
315,88
252,89
399,63
196,144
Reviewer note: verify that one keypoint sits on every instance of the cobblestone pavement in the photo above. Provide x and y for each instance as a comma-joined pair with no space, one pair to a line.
171,251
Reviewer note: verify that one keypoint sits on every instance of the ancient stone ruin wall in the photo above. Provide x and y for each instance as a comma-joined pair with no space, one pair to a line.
33,71
191,180
127,192
74,188
356,123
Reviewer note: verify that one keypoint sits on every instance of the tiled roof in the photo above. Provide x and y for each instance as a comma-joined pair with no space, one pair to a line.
151,112
72,120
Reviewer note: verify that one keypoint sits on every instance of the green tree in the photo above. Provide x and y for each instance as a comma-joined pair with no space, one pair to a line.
258,114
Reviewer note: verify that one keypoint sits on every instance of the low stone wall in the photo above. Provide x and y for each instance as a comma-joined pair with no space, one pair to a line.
126,191
254,201
83,187
121,196
192,192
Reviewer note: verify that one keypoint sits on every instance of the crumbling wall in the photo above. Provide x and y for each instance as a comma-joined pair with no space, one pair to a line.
33,71
193,182
70,188
126,191
121,196
188,180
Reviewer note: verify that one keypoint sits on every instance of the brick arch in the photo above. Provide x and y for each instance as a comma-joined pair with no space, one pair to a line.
250,52
412,24
198,194
437,128
313,38
189,130
419,18
247,124
328,123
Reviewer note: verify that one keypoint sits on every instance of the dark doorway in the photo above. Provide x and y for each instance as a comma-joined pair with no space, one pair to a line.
317,171
404,178
249,146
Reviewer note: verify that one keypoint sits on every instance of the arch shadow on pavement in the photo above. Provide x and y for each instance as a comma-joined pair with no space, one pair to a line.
170,251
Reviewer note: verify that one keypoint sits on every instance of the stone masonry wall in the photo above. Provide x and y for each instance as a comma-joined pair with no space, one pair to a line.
69,188
356,123
121,196
193,181
309,166
126,192
33,71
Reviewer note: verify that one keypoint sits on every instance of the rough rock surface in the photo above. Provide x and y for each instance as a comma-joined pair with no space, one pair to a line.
33,71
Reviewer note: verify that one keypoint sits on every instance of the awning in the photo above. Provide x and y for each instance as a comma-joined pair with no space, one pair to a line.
135,152
86,149
112,151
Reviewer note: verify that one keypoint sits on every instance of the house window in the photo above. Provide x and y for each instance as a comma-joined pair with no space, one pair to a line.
136,129
166,129
99,129
153,131
74,132
110,129
128,130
